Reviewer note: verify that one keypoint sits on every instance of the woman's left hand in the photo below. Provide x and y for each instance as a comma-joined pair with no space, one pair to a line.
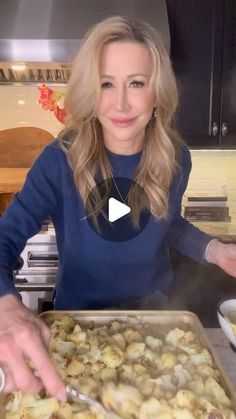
223,255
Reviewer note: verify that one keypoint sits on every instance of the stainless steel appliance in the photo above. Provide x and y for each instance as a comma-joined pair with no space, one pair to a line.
45,35
35,276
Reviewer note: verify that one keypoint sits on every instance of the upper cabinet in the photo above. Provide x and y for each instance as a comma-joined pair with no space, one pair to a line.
203,54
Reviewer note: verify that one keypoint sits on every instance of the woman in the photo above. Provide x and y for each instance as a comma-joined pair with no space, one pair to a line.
121,99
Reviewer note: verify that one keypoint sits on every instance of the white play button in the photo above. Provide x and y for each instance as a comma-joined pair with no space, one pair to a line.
114,221
116,209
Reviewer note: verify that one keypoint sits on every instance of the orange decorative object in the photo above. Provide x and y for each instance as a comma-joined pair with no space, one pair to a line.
60,114
53,100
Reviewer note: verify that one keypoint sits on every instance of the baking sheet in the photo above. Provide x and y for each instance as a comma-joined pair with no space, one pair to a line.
162,321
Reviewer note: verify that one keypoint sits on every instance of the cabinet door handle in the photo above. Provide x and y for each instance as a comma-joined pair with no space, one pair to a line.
224,129
215,129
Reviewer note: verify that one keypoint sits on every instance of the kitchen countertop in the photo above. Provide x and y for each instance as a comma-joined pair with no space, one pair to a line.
225,231
226,355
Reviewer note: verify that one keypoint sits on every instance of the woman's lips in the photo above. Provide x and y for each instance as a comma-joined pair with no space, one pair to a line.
122,122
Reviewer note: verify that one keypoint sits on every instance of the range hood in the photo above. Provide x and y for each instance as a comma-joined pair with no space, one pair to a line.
45,34
39,72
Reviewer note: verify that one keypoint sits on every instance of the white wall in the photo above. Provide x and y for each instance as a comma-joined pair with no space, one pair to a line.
19,107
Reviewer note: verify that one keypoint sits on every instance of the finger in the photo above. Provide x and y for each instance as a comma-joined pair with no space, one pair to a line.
22,374
10,384
45,333
16,368
37,353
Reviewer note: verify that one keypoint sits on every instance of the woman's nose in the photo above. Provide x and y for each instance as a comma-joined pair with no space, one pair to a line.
121,100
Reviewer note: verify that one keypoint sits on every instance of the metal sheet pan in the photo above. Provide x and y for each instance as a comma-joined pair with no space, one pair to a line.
161,320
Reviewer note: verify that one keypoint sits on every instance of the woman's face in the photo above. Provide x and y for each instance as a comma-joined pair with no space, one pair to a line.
127,98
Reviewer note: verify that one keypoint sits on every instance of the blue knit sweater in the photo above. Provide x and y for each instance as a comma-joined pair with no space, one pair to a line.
93,272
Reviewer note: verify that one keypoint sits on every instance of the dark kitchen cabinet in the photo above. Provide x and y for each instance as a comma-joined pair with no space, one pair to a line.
203,53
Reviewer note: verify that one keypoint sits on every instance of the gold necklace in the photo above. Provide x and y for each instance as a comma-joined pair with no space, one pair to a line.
118,190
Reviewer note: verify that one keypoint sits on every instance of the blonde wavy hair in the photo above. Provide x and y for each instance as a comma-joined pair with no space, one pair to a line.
82,138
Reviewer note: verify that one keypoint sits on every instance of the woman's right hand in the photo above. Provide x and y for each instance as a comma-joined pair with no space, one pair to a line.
24,340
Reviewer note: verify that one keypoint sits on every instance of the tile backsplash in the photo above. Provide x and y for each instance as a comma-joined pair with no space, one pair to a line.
19,107
213,170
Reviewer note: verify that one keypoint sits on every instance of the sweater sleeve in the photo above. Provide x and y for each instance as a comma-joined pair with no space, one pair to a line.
182,235
24,217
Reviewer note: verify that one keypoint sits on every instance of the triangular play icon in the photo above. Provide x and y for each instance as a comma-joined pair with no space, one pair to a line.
117,209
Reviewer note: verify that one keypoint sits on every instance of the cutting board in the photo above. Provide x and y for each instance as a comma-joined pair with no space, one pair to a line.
12,179
20,146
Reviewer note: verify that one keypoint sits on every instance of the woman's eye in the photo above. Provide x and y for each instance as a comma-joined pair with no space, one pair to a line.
106,85
136,83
